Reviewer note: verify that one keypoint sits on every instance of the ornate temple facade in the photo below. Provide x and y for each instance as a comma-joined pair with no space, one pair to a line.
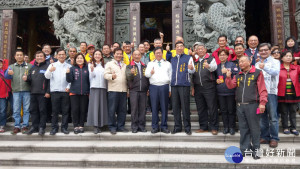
27,24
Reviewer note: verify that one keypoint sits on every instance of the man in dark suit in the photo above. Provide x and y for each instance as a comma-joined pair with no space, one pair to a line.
252,50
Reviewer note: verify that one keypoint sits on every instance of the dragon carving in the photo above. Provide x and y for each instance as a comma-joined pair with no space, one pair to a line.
78,21
212,18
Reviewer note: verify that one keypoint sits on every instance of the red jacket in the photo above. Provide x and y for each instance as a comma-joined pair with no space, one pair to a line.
294,75
4,89
231,56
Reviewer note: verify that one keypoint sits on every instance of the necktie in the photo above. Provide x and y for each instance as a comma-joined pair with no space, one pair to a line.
120,65
252,51
159,63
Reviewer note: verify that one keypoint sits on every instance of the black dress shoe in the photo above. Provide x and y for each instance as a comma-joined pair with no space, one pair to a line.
42,131
175,131
143,130
165,131
232,131
134,131
65,131
76,130
153,131
81,130
123,130
53,132
113,132
225,130
32,130
188,132
255,157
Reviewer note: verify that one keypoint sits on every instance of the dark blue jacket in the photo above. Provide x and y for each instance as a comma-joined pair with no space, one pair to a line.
180,74
222,89
79,79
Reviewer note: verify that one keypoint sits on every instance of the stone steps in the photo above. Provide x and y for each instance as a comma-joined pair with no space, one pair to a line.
127,147
106,136
140,161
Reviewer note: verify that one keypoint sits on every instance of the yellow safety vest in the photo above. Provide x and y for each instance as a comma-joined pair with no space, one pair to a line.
126,58
186,51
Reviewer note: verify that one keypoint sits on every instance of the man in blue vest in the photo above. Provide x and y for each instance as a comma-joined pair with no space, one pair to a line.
182,65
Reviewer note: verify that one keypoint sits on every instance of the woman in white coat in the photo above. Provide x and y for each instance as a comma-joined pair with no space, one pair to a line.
97,112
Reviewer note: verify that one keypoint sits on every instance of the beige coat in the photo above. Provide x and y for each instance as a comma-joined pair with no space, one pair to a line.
120,83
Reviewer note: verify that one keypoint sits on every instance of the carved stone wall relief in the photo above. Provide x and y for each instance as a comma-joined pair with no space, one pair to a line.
211,19
121,22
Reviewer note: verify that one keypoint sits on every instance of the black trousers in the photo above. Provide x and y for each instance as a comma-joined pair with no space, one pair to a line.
249,127
206,102
228,110
79,108
138,102
288,112
60,103
181,103
38,110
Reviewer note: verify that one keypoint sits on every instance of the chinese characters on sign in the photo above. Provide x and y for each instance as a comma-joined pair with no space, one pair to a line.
278,25
135,23
176,20
5,40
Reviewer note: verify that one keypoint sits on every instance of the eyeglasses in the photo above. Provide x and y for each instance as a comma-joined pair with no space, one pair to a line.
263,50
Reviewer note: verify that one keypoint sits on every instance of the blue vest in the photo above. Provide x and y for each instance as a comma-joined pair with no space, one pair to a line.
180,74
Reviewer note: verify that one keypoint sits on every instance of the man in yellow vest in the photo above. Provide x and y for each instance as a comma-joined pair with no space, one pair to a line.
178,39
127,46
166,54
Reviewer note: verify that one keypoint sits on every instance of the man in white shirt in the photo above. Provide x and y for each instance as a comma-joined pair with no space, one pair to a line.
159,72
59,89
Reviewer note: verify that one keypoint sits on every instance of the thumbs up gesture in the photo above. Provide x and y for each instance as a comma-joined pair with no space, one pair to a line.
51,60
228,74
132,70
224,70
206,65
10,72
114,76
68,70
92,66
168,47
24,76
52,69
190,66
152,71
261,65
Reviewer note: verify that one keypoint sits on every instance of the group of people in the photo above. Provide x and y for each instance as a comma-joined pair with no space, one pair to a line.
258,85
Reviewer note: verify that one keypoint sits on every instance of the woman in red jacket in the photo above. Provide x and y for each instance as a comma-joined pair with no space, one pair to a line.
292,45
5,94
288,92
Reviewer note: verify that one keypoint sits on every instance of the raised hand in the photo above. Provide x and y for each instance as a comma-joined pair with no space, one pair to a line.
261,65
152,71
168,47
68,70
190,66
132,70
52,69
25,76
228,74
224,70
114,76
92,66
206,65
10,72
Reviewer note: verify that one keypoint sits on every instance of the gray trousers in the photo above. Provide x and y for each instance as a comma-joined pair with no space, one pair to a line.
181,103
138,102
249,126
